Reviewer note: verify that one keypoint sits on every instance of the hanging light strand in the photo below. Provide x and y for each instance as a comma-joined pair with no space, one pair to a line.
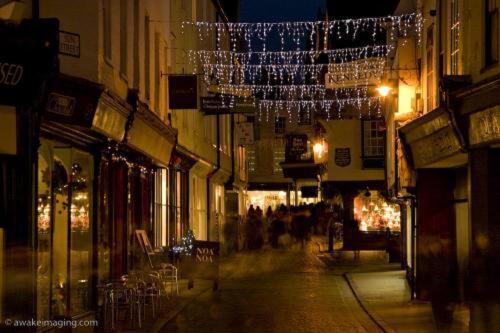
296,33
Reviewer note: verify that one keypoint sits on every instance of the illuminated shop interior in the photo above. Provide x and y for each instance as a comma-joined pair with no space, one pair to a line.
374,213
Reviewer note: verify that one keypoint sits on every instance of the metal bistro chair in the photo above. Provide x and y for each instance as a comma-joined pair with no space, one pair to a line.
122,295
169,276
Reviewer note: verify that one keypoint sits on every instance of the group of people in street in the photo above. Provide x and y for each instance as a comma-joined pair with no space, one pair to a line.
285,227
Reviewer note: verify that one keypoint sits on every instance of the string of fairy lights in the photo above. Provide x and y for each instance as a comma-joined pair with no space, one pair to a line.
332,108
298,33
288,73
290,80
341,55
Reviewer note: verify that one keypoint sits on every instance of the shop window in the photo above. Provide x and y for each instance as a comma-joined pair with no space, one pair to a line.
279,125
373,141
374,213
454,37
491,32
161,208
64,230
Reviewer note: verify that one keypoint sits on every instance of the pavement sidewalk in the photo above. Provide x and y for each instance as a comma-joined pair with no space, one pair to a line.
385,296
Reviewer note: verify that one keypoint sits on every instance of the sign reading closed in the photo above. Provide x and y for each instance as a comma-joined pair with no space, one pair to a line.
27,55
11,74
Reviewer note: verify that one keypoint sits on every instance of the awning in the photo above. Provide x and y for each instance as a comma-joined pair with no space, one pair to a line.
151,136
221,176
84,111
434,141
201,169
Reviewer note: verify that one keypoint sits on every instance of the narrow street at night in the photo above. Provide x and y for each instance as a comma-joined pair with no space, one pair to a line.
248,166
275,291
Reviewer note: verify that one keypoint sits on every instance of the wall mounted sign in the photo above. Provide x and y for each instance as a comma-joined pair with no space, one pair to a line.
69,44
72,100
182,92
484,126
342,156
245,134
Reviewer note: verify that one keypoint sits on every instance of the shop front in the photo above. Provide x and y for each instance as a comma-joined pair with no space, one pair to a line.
79,122
435,148
479,109
22,83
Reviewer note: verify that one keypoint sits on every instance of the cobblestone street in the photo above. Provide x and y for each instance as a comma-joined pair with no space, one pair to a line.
275,291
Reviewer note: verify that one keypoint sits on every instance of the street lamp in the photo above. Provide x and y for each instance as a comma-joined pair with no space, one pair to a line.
318,149
383,90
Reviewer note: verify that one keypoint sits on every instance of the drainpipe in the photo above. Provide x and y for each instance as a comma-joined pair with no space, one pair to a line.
217,167
229,184
35,9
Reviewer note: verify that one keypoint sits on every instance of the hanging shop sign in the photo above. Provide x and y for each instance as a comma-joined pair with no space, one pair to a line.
366,72
69,44
215,105
245,134
183,92
296,145
21,73
484,126
342,157
434,141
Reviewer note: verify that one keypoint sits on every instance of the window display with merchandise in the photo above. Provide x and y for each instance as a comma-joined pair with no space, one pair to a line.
374,213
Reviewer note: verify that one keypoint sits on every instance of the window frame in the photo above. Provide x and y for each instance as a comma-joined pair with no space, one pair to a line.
370,160
491,21
279,125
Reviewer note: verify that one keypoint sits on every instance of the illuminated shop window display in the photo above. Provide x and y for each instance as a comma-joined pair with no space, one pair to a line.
374,213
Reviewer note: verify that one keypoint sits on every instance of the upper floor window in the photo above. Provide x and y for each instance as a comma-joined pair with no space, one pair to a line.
373,140
106,28
251,159
491,31
278,157
429,65
304,116
147,58
123,36
454,37
279,125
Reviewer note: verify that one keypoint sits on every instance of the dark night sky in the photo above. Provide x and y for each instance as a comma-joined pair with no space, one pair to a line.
279,10
305,10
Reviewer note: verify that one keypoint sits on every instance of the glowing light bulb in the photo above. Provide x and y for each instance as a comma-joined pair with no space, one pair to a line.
384,90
